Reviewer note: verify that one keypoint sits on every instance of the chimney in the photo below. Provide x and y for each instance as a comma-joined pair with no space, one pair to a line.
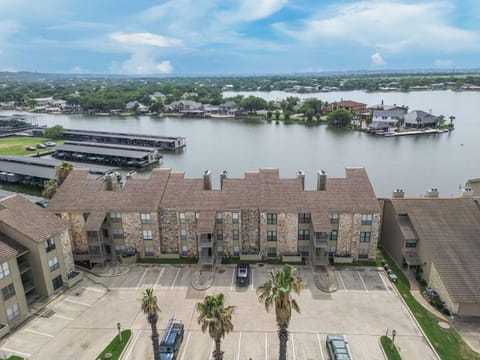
432,193
301,176
467,192
223,176
322,181
398,194
113,181
207,180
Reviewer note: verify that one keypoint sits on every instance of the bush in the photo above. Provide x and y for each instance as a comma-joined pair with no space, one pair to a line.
55,132
437,303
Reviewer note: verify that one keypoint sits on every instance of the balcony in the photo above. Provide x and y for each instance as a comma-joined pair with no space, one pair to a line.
24,267
320,240
28,286
205,240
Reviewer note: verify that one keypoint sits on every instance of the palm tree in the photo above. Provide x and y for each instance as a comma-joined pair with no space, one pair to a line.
151,309
451,120
62,170
277,292
49,189
214,316
440,120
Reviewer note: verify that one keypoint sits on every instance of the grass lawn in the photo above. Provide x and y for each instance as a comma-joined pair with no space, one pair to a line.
391,352
17,145
116,346
15,357
449,345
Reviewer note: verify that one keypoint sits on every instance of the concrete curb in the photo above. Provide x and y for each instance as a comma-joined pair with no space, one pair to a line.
381,348
200,284
99,275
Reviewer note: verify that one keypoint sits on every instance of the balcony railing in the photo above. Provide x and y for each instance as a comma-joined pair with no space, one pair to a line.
320,240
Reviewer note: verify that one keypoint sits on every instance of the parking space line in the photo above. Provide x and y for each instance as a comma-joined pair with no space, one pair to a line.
384,283
348,347
141,279
343,283
93,289
320,345
186,346
63,317
77,302
363,282
293,349
39,333
266,347
16,352
158,278
239,344
132,345
253,278
175,279
233,278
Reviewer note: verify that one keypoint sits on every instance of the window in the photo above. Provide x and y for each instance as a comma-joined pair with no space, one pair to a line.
367,219
4,270
272,219
219,234
8,291
53,263
332,250
184,250
115,217
49,245
235,217
365,236
236,251
304,218
149,251
334,235
183,234
57,282
363,253
303,234
410,243
220,250
218,218
117,233
271,236
181,217
119,248
271,252
145,218
236,234
333,218
13,312
303,250
147,235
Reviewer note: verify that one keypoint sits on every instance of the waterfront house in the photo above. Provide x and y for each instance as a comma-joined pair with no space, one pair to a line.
356,108
255,217
386,120
419,118
439,240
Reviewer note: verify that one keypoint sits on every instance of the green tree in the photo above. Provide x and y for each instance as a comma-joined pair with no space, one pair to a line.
340,118
157,106
277,115
54,132
440,120
277,292
215,317
451,117
253,103
269,114
151,309
62,170
49,189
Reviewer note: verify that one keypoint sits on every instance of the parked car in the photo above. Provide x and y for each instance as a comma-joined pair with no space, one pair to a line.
430,293
337,347
50,144
41,146
393,278
171,340
30,148
243,274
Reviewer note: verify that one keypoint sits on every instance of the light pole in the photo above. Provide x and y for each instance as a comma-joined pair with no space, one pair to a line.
119,332
394,332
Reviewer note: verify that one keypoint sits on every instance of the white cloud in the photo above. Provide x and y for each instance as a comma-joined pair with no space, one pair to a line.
251,10
391,26
377,59
145,39
142,63
79,70
443,64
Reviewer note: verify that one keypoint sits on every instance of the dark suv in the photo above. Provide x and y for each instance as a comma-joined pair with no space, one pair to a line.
243,274
171,340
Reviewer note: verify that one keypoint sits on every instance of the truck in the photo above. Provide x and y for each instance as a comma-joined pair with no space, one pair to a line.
171,340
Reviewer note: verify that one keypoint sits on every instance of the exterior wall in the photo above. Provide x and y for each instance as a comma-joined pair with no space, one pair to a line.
469,309
227,233
251,226
169,242
345,228
392,238
78,233
65,242
132,232
18,298
191,227
436,283
287,232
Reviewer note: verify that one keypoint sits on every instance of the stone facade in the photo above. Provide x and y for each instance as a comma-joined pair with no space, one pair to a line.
227,226
287,232
191,227
132,232
66,245
345,233
168,220
77,230
250,226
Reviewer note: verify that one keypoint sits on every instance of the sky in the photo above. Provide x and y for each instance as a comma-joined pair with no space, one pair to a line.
217,37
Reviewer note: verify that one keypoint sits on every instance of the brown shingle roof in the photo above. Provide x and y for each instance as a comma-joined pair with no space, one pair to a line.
29,219
6,252
449,229
94,221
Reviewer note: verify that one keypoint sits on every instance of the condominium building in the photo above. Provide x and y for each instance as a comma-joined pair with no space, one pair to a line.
35,257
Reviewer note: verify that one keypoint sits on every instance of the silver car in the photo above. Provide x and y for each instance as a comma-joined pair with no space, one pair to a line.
337,347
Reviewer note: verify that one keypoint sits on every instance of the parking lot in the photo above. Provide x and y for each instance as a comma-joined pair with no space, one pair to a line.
83,320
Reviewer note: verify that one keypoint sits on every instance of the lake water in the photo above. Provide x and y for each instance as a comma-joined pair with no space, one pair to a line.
414,164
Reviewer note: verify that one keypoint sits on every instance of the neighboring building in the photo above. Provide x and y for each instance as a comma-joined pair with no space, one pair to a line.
473,186
35,257
385,120
258,216
356,108
419,118
440,238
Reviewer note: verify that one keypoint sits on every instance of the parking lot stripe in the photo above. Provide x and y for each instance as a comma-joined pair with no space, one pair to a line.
175,279
93,289
348,347
253,278
384,284
266,347
63,317
77,302
38,333
320,345
158,278
343,283
239,345
132,345
16,352
186,346
363,282
233,279
141,279
293,349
